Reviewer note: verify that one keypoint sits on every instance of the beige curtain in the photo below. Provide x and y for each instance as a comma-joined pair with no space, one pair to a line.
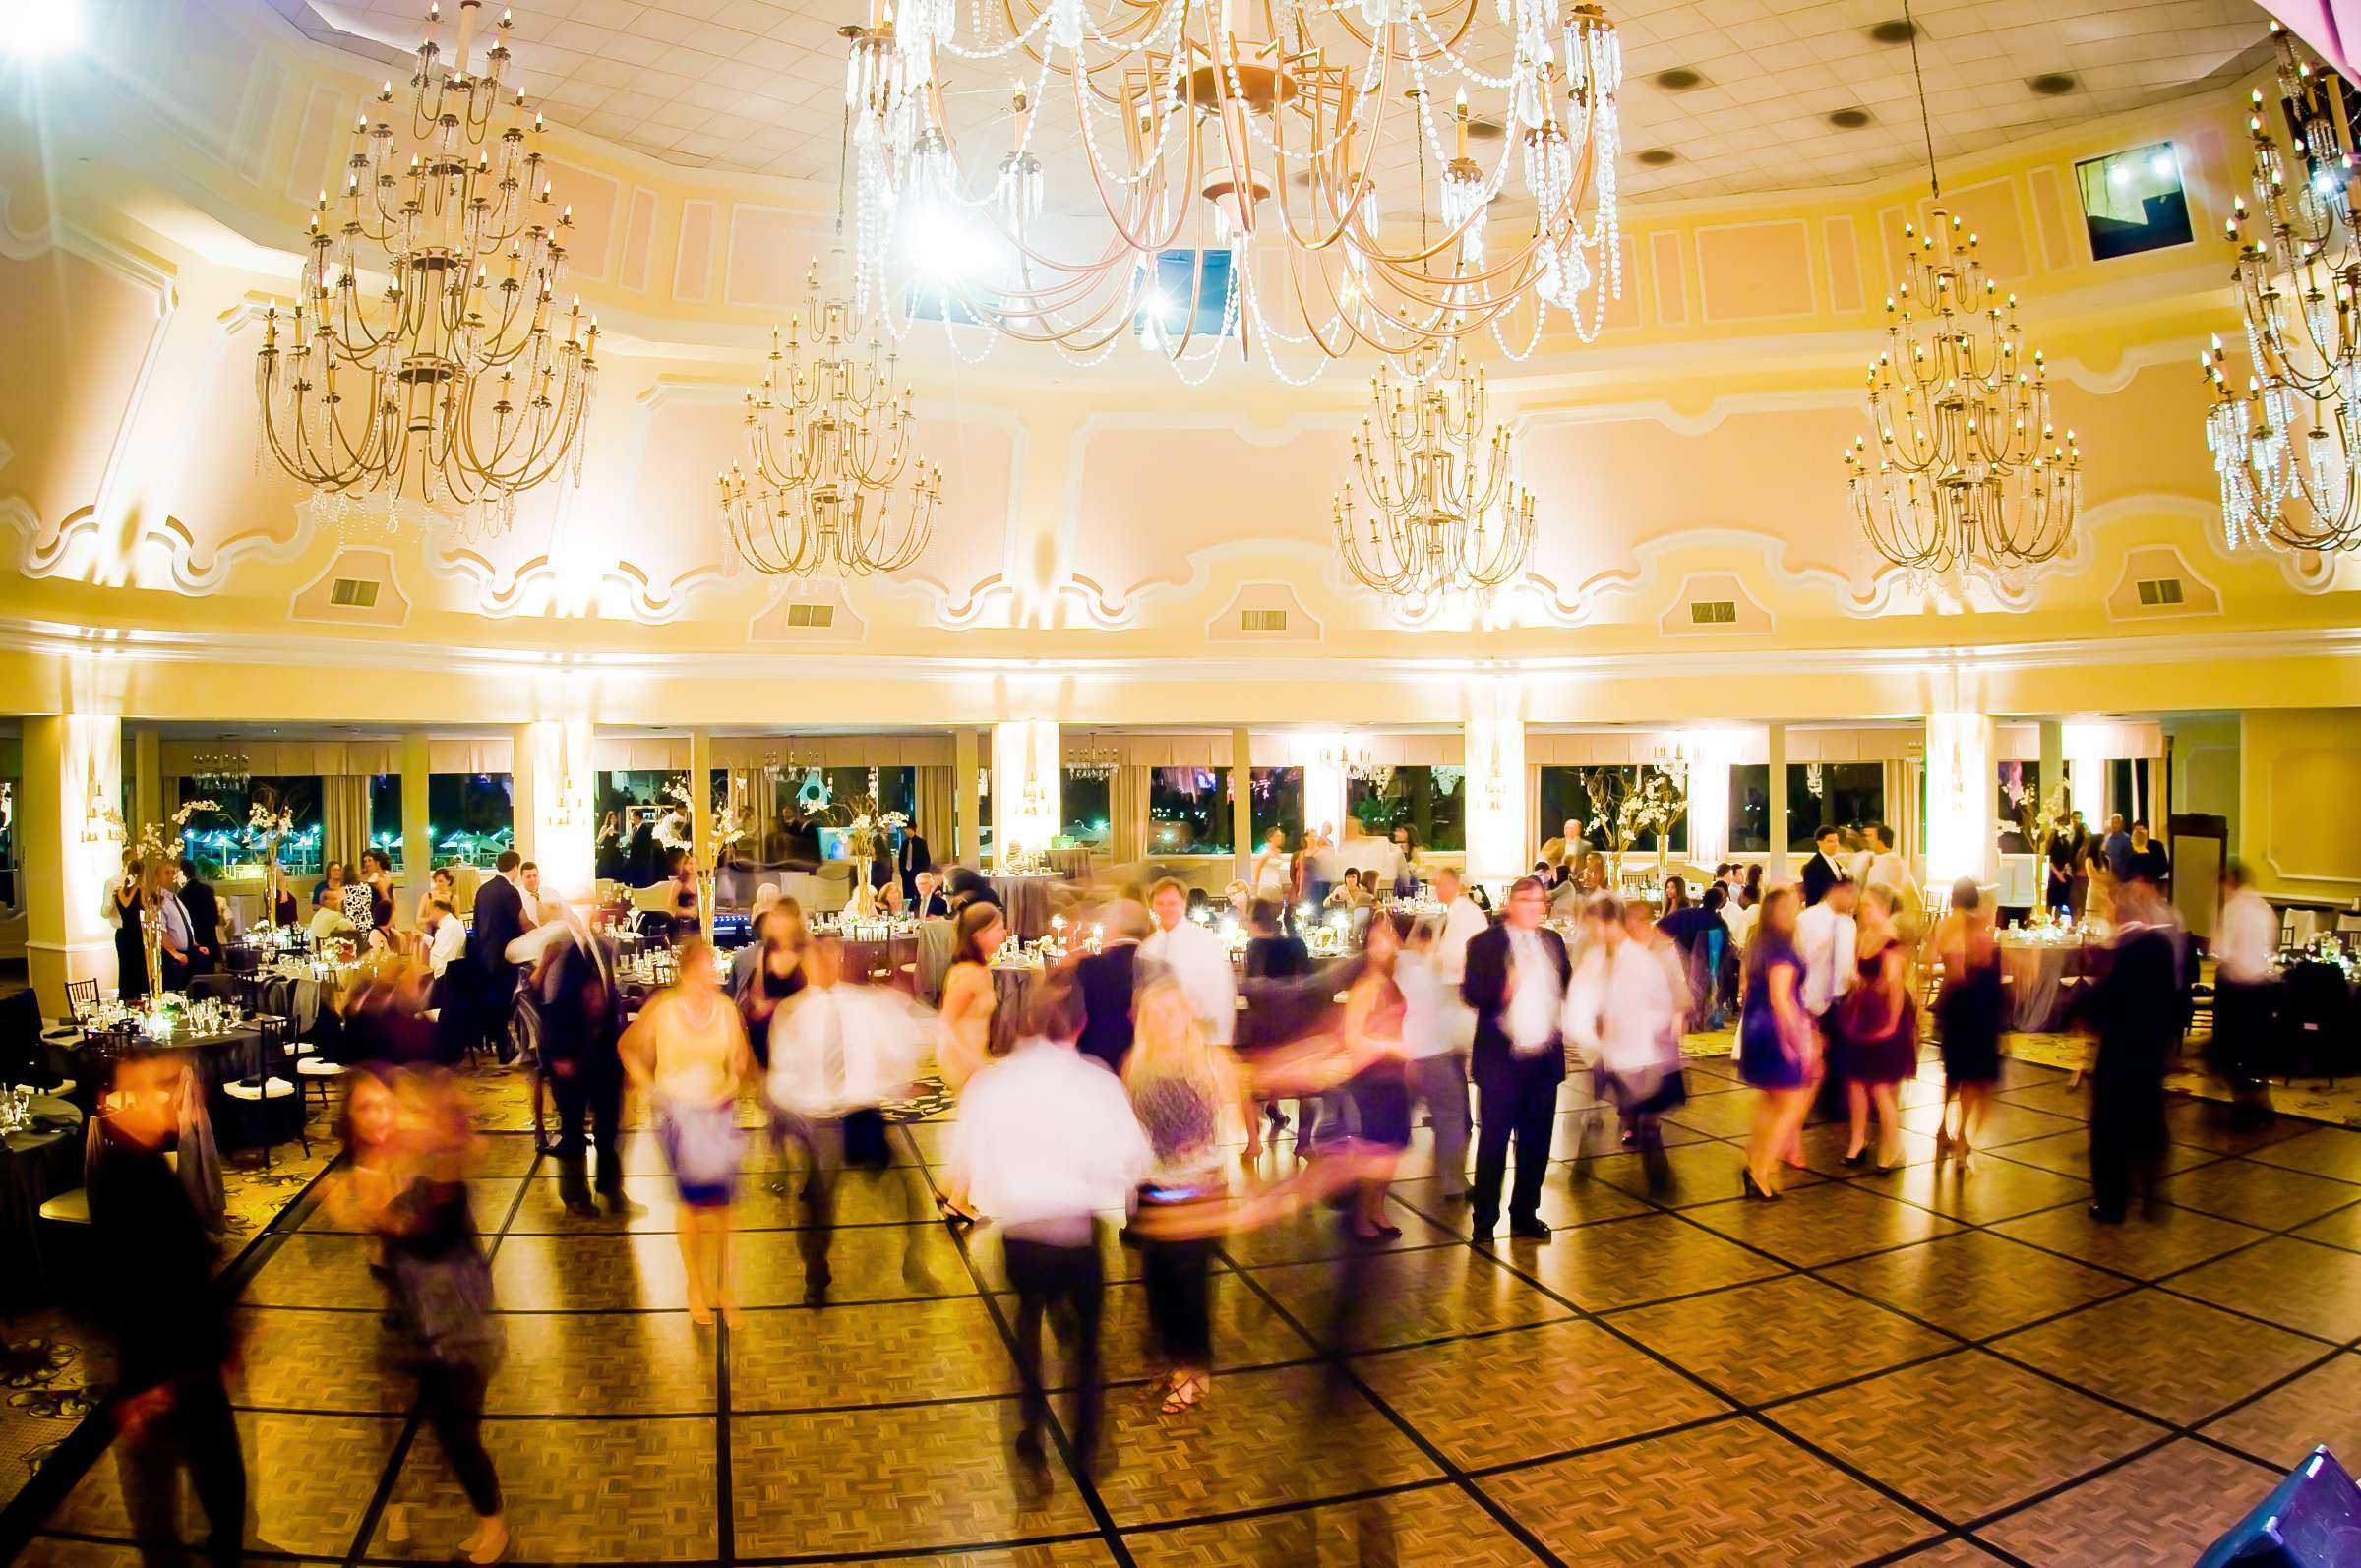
343,818
1127,814
935,812
1901,808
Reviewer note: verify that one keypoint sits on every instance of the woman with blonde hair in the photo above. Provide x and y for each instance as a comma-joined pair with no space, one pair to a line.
1778,1044
1880,1031
688,1052
1181,1086
963,1035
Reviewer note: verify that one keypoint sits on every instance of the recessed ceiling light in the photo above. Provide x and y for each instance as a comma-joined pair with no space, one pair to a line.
1655,158
1899,29
1850,119
1484,130
1680,79
2052,84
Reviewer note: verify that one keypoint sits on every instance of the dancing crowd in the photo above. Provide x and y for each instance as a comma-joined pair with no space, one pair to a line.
1144,1082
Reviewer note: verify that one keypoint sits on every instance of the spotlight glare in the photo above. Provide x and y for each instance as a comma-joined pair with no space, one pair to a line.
42,27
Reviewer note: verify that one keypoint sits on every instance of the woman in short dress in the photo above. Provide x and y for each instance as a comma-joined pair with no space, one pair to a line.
688,1051
1375,1016
1968,1015
1778,1047
963,1038
1881,1032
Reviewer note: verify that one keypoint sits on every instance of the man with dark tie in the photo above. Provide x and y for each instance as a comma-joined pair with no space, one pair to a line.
910,860
499,921
1821,873
1515,981
582,1026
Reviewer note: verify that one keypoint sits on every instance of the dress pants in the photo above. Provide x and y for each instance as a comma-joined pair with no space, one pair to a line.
198,1432
1440,1082
1518,1098
2127,1138
1073,1282
590,1096
821,1139
2241,1043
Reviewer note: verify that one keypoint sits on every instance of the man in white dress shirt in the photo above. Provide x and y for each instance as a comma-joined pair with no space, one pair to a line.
1198,959
1825,941
2243,952
839,1052
529,889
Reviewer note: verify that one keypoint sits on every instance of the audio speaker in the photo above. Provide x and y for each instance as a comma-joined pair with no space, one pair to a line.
2309,1519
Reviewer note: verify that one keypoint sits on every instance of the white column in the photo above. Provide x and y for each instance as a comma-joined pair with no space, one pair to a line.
1242,802
417,833
967,848
1026,781
68,859
700,813
1324,785
2085,746
1498,799
550,789
1708,753
1961,833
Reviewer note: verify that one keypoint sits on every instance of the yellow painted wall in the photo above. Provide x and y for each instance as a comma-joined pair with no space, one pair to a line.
2298,771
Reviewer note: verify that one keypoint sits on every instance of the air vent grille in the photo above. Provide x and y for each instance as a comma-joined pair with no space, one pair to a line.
354,593
2160,591
1263,620
1713,611
813,615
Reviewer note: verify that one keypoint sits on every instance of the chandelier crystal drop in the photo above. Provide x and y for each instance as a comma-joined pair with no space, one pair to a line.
2288,445
427,357
1233,147
1968,472
835,486
1444,515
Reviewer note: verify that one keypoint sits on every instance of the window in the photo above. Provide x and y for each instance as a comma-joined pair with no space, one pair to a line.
1165,303
983,813
1089,806
1189,811
1278,802
470,817
1841,795
1432,801
628,804
220,840
2018,802
1751,809
1580,795
2127,790
384,815
2133,200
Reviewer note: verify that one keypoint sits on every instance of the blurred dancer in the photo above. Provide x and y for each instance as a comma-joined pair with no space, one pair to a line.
170,1322
2135,1010
1968,1011
1374,1024
409,1135
2242,986
1181,1086
1779,1043
963,1035
1107,980
581,1032
1517,974
688,1051
1047,1142
1881,1031
1624,1008
1197,958
1436,1073
837,1052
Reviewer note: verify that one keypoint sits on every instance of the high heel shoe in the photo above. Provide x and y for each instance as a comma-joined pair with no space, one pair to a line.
1755,1189
1857,1157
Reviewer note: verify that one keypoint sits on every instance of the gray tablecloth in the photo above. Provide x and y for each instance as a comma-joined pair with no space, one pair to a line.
37,1163
933,957
1026,902
2038,974
1011,992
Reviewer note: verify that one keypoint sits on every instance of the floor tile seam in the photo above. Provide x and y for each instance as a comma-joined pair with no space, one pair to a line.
93,1538
1232,1516
1341,1359
907,1553
1101,1516
2254,1318
2058,1489
1740,1406
1509,1467
2124,1407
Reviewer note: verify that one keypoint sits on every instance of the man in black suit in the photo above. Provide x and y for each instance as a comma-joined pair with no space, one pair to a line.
1821,873
205,919
911,859
499,921
1106,980
582,1023
1516,983
927,900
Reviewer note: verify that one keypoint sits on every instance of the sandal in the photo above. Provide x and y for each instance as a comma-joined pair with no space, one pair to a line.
1188,1390
951,1213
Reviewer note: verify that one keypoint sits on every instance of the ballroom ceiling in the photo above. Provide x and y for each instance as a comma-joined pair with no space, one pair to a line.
756,87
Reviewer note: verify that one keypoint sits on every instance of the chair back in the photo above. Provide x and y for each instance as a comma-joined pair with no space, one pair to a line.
82,999
212,988
244,960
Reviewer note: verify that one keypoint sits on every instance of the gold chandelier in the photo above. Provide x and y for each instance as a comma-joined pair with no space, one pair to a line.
2288,449
450,383
830,446
1433,474
1968,474
1269,171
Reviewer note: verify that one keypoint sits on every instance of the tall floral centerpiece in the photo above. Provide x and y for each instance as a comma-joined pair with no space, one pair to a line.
267,823
724,826
866,835
1622,809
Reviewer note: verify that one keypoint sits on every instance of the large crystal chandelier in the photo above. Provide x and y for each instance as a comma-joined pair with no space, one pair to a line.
1095,758
427,356
2286,446
1272,171
1445,517
835,486
1968,474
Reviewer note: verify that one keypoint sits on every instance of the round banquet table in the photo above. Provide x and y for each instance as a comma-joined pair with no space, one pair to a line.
1073,865
1025,900
934,956
1011,993
37,1162
862,960
2038,972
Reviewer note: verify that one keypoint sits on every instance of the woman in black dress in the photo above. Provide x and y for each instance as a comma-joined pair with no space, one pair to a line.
1968,1013
131,948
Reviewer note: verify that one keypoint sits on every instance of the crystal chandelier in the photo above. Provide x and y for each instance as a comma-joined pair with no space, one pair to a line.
1097,759
1268,171
2287,448
834,487
1968,474
460,382
1444,515
220,772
